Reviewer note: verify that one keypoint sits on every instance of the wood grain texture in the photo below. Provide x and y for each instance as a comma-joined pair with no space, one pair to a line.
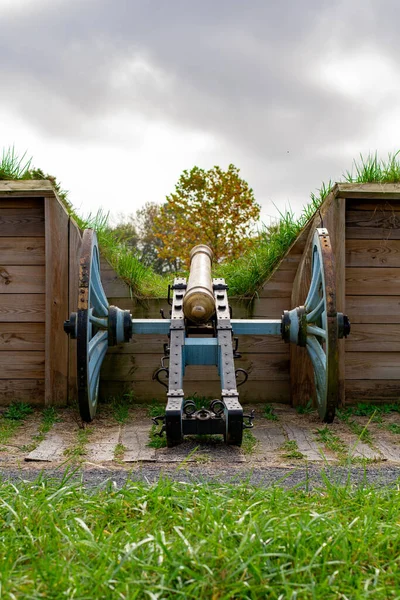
16,222
56,376
372,225
22,251
21,365
21,203
373,253
75,243
31,188
22,308
373,309
367,190
372,390
364,281
374,204
22,280
21,336
252,391
374,337
373,365
131,367
21,390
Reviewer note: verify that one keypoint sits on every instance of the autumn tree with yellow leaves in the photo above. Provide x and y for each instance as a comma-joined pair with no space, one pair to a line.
213,207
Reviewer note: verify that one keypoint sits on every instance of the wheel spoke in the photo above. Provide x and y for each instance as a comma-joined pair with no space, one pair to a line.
97,297
101,323
97,355
315,282
314,330
318,360
314,314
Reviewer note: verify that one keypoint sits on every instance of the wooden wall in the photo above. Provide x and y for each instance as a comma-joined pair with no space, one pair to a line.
373,298
22,299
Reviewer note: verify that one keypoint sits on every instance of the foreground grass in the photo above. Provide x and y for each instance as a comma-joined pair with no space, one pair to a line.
210,541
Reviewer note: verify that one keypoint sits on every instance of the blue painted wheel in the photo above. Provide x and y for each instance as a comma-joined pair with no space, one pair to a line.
321,326
92,326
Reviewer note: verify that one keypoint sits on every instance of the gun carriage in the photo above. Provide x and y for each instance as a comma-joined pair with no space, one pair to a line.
201,331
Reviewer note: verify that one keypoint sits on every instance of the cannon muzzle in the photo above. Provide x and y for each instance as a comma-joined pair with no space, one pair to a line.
199,302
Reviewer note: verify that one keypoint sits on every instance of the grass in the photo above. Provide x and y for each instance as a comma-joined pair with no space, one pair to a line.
205,541
361,431
12,419
50,416
291,450
394,428
305,410
332,442
119,452
78,450
249,442
269,413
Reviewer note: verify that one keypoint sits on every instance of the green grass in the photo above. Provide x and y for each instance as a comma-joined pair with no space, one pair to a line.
332,441
361,431
269,413
77,451
394,428
249,442
119,452
291,450
50,416
205,541
305,410
12,419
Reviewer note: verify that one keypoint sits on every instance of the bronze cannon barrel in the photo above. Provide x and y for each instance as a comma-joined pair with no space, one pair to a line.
199,302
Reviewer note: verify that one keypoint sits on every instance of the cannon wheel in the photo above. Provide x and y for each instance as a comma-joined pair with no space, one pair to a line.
92,334
322,325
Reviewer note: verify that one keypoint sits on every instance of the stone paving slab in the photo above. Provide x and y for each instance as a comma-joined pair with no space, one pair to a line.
135,437
358,449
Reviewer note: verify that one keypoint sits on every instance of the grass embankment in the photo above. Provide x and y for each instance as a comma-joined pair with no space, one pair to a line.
174,540
246,275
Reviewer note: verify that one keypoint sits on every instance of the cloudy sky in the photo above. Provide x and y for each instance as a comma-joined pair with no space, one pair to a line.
117,97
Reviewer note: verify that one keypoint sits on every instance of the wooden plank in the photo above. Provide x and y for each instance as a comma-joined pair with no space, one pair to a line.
374,225
103,450
75,243
113,285
21,280
133,367
22,308
374,337
280,284
270,435
373,309
52,448
373,204
373,365
21,203
57,226
21,365
372,390
21,223
367,190
306,444
22,251
29,187
248,344
135,437
363,281
369,253
147,391
21,336
21,390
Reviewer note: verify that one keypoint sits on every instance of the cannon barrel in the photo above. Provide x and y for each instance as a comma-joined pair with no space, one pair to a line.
199,302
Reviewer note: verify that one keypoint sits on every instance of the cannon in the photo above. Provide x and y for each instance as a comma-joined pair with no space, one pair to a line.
201,331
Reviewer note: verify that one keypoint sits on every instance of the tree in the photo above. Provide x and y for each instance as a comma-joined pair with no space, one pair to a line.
213,207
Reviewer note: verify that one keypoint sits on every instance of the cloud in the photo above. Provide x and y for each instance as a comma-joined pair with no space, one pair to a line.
280,87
